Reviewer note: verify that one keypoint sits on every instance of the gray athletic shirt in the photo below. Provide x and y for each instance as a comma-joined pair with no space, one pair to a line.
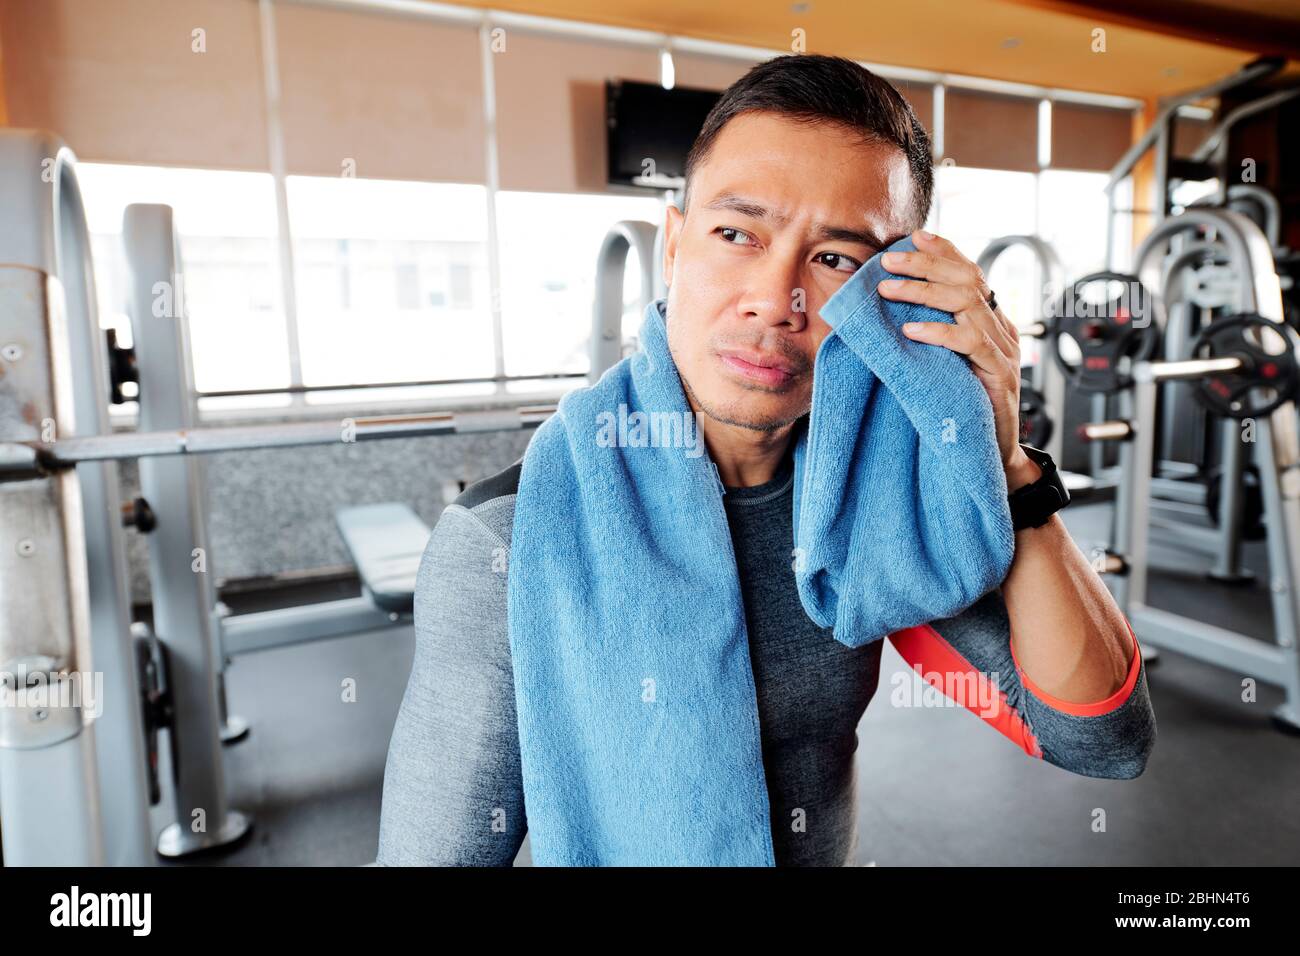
453,790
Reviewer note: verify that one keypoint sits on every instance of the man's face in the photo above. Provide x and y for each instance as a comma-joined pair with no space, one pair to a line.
781,214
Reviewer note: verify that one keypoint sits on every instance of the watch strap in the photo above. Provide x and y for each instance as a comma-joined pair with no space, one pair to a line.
1032,504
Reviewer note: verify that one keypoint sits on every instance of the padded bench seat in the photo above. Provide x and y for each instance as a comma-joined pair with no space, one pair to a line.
386,542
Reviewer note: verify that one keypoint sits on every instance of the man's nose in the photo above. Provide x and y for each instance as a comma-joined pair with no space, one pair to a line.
772,293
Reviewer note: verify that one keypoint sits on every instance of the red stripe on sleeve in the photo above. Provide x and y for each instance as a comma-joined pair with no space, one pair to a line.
926,650
1100,707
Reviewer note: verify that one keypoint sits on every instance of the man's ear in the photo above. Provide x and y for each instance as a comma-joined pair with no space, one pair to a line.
673,221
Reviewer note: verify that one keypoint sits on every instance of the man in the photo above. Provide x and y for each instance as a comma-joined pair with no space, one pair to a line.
805,169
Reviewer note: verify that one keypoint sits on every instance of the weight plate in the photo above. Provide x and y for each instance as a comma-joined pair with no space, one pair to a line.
1035,423
1269,375
1108,336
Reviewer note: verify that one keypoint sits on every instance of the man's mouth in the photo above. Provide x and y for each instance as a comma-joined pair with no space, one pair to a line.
758,366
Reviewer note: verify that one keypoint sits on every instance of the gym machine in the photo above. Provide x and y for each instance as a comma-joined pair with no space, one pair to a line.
1244,368
73,784
607,346
78,771
1247,251
197,635
1163,320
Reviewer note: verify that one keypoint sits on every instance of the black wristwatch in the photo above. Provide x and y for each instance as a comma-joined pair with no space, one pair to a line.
1034,503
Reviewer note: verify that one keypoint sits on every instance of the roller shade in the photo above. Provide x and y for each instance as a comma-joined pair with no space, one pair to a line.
921,98
990,131
122,82
551,108
1089,137
400,96
717,73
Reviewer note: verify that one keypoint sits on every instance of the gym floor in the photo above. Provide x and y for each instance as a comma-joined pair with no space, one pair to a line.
1214,792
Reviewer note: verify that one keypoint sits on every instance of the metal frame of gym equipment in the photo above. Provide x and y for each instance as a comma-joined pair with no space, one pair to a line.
1160,137
1278,449
184,598
1046,378
72,783
606,347
1172,494
1272,209
148,250
148,255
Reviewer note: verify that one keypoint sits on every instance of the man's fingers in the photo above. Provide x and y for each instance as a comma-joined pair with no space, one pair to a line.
968,340
937,295
964,302
940,248
925,265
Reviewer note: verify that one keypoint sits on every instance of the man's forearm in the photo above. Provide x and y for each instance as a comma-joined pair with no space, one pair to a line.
1067,632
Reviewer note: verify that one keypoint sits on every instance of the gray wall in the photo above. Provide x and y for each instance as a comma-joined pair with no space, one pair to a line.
272,511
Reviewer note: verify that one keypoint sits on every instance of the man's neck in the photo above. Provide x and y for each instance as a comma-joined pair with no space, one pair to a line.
745,456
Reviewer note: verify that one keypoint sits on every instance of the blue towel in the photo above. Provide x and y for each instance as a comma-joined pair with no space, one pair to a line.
638,721
901,486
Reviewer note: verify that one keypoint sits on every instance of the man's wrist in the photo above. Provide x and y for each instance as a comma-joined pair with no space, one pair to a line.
1022,471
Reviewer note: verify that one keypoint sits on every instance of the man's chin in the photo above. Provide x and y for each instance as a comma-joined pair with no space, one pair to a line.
750,411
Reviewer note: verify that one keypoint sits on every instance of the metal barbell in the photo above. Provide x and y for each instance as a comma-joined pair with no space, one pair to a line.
21,460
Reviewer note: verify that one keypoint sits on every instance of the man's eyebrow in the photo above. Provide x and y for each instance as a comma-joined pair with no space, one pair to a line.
866,237
746,207
821,231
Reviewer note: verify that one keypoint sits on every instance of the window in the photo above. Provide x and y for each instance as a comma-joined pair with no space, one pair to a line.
1189,191
549,244
976,206
229,280
391,284
1072,218
391,277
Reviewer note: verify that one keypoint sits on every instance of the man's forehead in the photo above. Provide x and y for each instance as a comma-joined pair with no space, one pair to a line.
857,180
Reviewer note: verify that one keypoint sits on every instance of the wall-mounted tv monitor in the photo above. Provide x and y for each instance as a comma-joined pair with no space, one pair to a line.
650,130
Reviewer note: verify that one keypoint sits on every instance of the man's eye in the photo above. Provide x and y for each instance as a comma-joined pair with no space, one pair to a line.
838,262
727,233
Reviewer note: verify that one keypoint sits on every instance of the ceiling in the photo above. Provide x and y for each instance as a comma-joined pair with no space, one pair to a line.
1152,47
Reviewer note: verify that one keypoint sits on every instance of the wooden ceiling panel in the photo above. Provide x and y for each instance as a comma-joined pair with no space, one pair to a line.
1040,42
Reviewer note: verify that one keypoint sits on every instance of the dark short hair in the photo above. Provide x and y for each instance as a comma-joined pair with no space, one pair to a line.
826,89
